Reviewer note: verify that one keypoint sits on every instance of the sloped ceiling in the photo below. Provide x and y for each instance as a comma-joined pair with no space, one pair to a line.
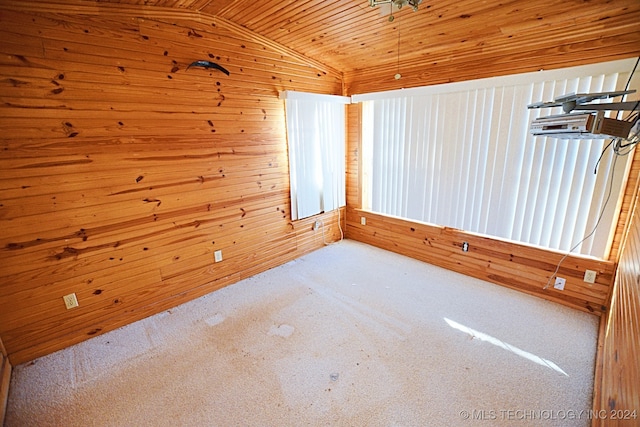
350,35
445,40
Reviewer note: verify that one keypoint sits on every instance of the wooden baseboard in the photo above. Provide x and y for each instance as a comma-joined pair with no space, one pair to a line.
5,379
597,375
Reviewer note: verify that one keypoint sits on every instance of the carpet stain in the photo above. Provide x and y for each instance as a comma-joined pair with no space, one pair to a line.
215,320
283,331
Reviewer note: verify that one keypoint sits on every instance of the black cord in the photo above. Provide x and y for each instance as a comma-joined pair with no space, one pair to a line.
625,146
626,87
633,115
595,170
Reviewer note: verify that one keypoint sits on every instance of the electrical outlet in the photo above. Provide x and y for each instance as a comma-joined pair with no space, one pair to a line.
217,256
316,225
70,301
560,282
465,246
363,220
590,276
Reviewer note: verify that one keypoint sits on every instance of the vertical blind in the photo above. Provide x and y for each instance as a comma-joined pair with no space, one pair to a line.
316,140
460,155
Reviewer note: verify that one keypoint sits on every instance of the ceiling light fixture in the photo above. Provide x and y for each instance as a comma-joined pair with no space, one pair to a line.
397,3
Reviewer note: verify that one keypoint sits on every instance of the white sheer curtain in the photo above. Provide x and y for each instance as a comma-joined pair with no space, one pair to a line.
460,155
316,139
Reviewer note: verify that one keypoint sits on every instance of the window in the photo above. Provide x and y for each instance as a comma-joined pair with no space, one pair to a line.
316,139
460,155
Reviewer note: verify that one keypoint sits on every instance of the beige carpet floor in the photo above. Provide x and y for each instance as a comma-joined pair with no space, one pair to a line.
349,335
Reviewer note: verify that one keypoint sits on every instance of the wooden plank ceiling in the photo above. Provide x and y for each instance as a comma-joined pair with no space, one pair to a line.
349,35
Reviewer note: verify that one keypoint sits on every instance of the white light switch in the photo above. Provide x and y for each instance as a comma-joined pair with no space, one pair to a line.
217,256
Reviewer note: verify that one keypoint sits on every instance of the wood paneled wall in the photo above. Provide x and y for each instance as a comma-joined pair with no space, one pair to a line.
5,378
617,394
517,266
121,172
